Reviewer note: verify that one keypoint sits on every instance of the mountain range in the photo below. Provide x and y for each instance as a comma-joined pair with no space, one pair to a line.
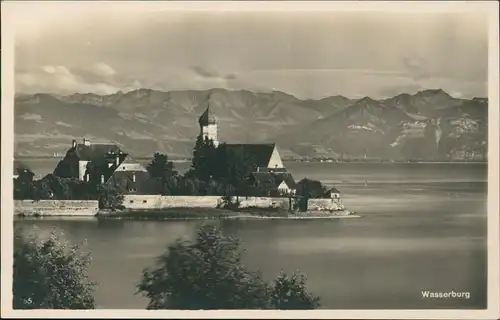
429,125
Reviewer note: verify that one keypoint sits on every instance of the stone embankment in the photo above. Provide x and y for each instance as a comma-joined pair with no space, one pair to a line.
184,207
35,208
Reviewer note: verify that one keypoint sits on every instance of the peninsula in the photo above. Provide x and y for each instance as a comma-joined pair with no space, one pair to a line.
226,180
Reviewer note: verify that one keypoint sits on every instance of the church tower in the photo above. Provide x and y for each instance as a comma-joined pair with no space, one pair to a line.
208,125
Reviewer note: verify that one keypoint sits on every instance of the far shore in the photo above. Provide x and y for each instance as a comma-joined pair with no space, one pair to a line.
325,160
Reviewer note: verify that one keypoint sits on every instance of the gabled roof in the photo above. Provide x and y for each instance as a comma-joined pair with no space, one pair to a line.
268,180
287,177
95,151
208,117
260,153
143,184
332,190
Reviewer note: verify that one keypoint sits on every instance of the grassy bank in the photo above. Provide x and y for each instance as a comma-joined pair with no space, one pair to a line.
191,213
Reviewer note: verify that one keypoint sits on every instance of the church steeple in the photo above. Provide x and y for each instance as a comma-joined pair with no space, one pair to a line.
207,118
208,125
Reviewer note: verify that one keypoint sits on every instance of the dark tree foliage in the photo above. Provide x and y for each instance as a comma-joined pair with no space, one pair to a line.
41,190
311,188
233,167
23,184
52,187
290,292
162,171
50,274
203,163
208,273
160,167
110,197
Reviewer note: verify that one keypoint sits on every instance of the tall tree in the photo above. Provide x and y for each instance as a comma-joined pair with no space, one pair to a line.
203,162
239,167
160,167
50,274
208,273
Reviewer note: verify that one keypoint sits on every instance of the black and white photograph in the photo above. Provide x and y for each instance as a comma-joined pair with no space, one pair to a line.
309,160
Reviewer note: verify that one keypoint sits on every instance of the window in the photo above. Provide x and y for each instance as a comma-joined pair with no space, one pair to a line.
144,201
131,201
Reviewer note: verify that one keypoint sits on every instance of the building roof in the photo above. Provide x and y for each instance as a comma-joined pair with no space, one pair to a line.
260,153
332,190
287,177
264,180
268,180
95,151
208,117
143,184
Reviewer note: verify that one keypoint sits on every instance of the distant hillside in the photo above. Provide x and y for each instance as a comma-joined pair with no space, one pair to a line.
430,125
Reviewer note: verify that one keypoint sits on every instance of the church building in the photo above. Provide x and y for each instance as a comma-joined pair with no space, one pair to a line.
268,164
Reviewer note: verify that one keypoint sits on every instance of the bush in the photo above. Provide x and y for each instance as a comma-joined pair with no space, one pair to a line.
290,293
208,274
230,203
110,197
48,274
311,188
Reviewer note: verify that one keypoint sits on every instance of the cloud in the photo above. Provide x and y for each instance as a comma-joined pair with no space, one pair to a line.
212,74
100,79
103,70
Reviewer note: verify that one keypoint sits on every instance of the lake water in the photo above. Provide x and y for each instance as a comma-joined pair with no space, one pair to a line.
423,227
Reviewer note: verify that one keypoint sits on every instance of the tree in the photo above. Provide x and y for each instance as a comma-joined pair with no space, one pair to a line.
203,162
160,167
204,274
41,190
208,273
50,274
59,188
163,172
311,188
110,197
291,293
23,184
233,166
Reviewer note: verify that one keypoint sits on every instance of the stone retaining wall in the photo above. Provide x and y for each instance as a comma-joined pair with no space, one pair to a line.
56,207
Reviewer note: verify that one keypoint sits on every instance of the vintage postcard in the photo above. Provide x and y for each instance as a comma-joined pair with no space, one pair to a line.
244,159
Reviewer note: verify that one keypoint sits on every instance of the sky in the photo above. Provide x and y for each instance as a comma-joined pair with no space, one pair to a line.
309,54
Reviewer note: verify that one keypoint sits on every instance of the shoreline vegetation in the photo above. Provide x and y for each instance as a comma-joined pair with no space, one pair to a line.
186,213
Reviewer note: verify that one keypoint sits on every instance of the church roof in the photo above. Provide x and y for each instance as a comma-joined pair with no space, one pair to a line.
260,153
208,117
